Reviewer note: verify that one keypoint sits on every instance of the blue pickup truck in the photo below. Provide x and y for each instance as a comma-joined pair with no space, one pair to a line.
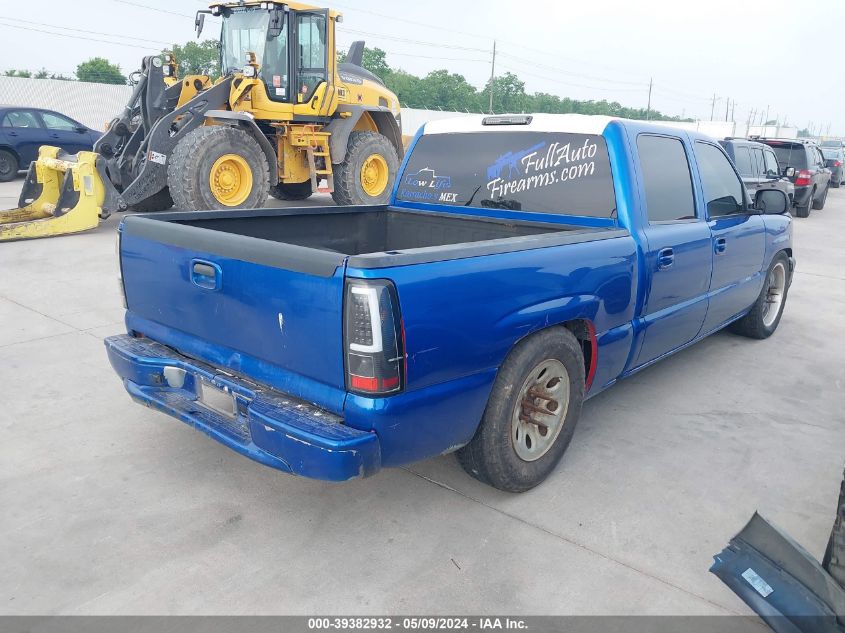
523,264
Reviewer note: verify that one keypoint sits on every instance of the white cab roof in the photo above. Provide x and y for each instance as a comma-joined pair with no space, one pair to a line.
572,123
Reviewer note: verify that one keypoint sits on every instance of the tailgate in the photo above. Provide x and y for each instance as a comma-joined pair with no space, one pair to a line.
265,310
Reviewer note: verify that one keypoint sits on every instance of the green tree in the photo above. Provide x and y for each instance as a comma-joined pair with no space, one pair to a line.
17,73
375,60
446,91
508,94
100,70
197,58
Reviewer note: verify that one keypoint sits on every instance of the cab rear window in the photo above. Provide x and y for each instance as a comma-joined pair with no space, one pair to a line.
539,172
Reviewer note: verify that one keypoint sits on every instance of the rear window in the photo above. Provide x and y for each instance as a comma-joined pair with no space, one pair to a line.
539,172
832,153
791,156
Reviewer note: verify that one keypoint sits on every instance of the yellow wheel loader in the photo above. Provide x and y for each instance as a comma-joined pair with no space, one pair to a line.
283,116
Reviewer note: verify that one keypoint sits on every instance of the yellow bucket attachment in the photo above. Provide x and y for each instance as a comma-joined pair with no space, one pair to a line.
62,194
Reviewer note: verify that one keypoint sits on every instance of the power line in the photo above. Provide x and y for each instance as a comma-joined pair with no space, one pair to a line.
407,41
68,28
75,37
566,83
569,72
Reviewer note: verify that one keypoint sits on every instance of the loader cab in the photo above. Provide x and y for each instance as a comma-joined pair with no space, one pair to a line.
292,48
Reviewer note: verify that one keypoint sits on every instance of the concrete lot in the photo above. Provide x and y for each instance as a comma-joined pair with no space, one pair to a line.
112,508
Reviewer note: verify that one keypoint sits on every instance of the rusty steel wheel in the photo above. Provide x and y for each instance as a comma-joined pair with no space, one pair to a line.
540,410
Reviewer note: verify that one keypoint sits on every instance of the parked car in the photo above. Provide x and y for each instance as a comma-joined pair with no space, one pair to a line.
834,159
757,166
24,130
804,165
524,264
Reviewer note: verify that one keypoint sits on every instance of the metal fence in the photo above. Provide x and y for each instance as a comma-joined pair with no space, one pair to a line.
92,104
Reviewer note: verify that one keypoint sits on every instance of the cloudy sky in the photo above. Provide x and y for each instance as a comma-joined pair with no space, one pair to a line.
761,54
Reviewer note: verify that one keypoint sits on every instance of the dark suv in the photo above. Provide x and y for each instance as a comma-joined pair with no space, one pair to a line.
835,160
758,166
802,162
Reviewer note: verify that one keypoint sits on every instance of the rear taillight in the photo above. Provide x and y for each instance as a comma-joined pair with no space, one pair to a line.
837,163
804,178
373,338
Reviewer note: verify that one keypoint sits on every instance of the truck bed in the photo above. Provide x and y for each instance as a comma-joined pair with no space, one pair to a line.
316,240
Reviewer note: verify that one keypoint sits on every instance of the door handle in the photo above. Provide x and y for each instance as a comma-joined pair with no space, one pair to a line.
206,274
12,133
721,245
665,258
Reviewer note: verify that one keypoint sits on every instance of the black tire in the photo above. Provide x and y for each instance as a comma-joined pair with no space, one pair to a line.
292,191
191,163
835,184
491,456
803,211
8,166
818,205
156,202
348,188
753,324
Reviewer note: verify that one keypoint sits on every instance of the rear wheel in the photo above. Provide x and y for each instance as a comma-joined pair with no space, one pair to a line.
803,211
8,166
764,317
292,191
218,167
818,205
368,171
531,414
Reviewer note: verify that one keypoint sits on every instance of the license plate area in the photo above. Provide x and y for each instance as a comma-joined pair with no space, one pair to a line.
217,399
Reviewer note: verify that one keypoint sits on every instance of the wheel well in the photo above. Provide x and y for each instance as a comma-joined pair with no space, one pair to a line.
585,332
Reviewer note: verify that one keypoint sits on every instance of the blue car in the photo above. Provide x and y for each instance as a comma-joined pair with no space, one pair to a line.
24,130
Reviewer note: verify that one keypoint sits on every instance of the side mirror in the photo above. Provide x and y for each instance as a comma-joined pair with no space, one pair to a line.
771,202
790,172
199,22
81,129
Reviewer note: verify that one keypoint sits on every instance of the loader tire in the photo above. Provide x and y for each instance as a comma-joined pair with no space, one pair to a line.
292,191
218,167
368,171
160,201
8,166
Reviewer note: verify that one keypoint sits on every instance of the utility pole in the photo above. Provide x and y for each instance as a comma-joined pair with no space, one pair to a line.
713,106
492,76
727,109
648,108
733,111
766,120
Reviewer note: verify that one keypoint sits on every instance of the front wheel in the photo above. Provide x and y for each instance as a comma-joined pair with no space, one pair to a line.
531,414
764,317
368,171
8,166
218,167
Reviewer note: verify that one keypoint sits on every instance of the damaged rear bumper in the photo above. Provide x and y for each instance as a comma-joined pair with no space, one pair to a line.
265,425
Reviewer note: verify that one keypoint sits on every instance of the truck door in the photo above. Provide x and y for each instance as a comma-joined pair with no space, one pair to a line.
678,253
739,240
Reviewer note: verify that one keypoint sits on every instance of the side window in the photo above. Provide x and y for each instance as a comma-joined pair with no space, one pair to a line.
722,189
666,179
743,161
311,53
772,166
57,122
20,118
